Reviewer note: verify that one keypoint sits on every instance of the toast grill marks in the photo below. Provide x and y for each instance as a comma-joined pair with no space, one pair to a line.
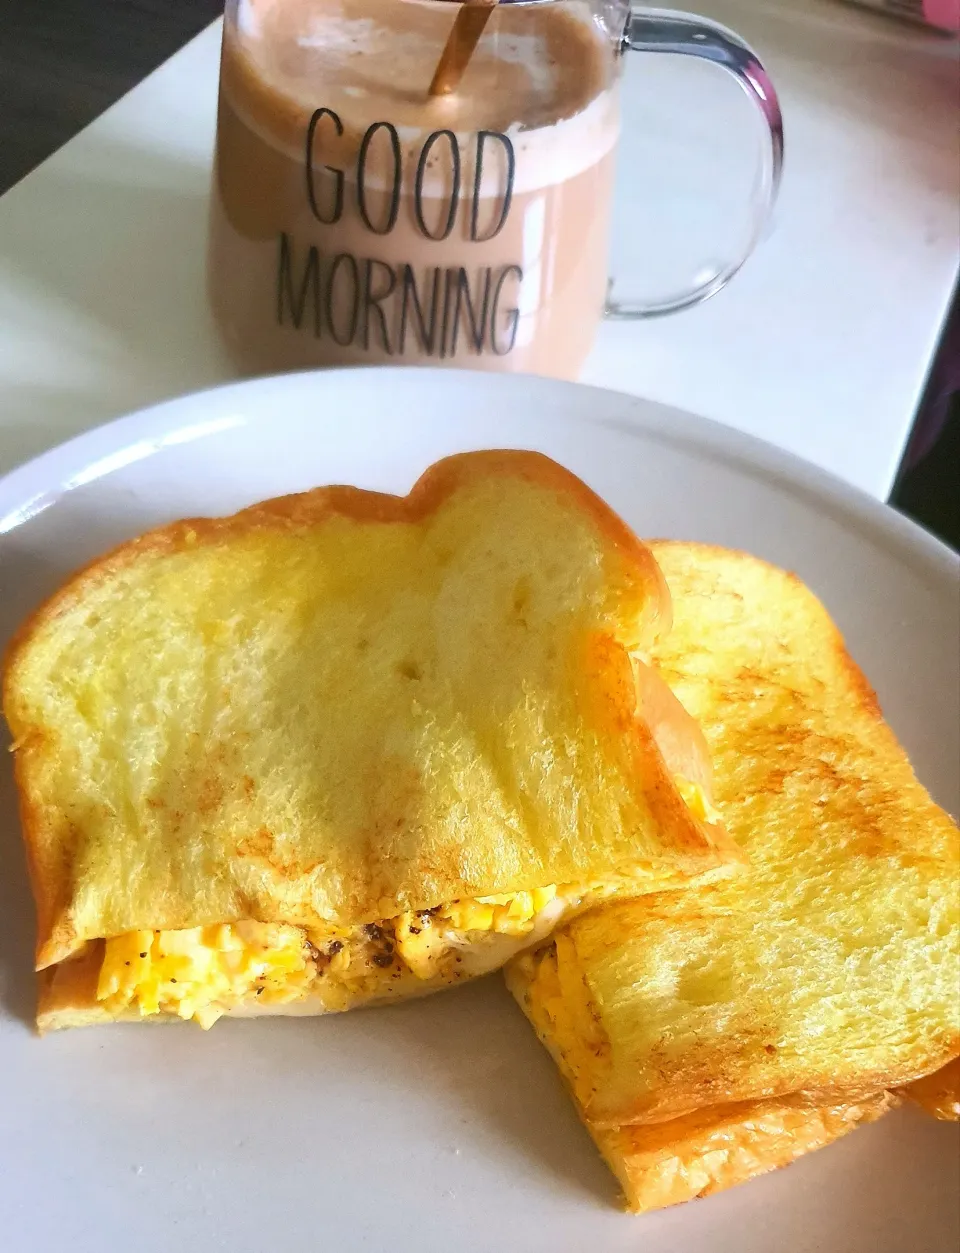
293,716
827,973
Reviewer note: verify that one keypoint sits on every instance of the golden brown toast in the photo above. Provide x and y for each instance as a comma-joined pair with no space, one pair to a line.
316,750
826,974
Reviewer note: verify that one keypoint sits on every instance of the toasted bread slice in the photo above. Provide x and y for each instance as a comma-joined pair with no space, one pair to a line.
829,971
254,753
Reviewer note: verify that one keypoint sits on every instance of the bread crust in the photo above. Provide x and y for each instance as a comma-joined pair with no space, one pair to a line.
712,1150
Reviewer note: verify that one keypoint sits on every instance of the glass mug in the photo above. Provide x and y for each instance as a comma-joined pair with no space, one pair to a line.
357,219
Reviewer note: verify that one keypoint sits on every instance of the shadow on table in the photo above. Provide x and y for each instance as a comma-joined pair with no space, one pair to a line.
473,1047
17,924
111,269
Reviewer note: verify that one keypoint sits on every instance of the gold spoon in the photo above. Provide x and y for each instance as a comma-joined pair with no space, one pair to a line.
457,51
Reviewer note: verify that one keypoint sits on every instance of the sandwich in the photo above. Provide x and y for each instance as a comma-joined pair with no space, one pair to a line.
709,1036
346,747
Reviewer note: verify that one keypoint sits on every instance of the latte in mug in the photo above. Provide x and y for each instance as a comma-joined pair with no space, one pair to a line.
358,220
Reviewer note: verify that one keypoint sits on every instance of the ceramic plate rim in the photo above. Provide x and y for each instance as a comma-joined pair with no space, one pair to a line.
19,501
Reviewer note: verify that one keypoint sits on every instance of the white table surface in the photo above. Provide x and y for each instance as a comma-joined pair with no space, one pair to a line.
821,345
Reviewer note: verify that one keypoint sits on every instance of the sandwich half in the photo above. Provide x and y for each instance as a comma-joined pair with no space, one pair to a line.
346,747
710,1036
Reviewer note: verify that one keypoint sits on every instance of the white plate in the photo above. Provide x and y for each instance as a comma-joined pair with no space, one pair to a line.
440,1125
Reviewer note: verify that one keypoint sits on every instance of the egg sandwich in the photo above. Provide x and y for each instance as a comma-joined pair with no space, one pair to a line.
712,1035
346,747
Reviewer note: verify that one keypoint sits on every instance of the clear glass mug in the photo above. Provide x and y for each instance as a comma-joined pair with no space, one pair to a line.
357,219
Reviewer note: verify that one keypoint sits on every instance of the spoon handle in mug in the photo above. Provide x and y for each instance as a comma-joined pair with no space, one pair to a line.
467,28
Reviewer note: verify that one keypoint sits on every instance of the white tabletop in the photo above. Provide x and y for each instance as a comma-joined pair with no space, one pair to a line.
821,345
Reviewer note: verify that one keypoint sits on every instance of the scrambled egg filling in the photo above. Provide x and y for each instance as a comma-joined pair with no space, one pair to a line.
202,972
562,1011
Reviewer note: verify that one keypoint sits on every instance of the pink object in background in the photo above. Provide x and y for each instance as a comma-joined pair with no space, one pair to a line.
943,13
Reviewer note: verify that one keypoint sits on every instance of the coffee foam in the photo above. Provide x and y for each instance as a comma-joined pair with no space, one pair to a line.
332,35
532,53
553,69
278,110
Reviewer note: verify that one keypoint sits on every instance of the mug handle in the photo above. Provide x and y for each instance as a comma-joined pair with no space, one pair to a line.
683,34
